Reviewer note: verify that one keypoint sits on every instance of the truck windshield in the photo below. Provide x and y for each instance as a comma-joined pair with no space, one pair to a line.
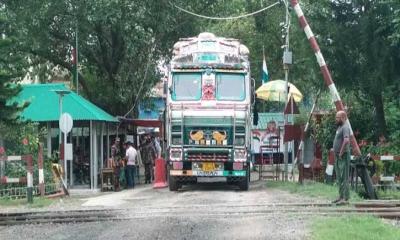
186,86
230,86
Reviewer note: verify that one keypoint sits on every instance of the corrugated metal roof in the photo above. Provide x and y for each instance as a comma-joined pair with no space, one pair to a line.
44,104
264,118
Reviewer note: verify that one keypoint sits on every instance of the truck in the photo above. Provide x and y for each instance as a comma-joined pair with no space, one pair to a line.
208,112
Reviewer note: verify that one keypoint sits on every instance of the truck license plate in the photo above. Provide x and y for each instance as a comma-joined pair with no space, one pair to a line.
211,179
208,166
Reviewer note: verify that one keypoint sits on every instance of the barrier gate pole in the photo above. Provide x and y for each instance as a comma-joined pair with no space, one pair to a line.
324,70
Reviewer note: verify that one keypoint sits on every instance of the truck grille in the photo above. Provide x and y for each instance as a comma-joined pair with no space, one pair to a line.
221,157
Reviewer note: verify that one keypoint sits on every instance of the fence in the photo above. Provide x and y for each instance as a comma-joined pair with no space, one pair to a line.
21,192
29,174
384,158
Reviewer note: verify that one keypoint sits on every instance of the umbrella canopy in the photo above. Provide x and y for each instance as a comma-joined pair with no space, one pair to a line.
275,91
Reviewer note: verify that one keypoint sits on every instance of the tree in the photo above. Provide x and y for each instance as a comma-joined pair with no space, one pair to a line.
10,71
365,59
120,42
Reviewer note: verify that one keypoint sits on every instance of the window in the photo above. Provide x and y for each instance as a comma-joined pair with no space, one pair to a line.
230,87
186,86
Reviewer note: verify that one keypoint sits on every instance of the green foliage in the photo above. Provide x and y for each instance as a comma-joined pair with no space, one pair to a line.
323,131
119,40
392,168
120,43
388,149
379,168
365,60
392,112
352,227
395,37
388,194
10,66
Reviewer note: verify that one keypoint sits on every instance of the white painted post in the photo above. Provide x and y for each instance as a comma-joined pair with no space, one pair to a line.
29,178
91,153
101,146
95,155
41,172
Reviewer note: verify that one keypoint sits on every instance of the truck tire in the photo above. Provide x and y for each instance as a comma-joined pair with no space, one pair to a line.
244,184
172,183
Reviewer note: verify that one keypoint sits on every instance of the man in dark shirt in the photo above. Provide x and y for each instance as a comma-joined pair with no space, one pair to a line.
148,155
342,156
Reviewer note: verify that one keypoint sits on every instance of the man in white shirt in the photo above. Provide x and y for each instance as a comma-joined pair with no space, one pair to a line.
131,162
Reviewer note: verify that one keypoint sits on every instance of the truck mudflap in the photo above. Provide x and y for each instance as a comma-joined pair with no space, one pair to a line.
237,173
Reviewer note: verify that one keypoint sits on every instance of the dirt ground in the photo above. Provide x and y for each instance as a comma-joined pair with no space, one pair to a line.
206,211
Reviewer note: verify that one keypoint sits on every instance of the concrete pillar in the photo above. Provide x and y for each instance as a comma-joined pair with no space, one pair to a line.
95,154
108,141
91,153
101,145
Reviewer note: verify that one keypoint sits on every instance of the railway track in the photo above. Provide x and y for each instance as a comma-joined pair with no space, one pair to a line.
381,209
63,217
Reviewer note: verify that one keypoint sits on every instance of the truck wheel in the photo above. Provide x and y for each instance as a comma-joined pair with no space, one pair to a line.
244,184
172,183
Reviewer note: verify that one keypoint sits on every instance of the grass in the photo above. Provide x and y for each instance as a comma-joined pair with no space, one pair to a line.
38,202
389,194
312,189
354,228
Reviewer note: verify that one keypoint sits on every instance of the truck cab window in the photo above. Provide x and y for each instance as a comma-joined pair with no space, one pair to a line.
230,86
186,86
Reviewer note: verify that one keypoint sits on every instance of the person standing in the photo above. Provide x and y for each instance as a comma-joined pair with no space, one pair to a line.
116,157
341,148
148,154
156,145
131,162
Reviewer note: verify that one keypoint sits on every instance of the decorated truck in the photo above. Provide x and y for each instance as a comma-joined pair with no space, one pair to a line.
208,112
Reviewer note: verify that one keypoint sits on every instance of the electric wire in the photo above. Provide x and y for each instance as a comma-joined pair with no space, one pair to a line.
227,18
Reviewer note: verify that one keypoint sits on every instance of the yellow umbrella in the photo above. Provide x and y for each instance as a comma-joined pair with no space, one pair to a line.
275,91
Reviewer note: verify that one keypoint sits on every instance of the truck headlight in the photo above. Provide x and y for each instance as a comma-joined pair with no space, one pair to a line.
240,155
175,154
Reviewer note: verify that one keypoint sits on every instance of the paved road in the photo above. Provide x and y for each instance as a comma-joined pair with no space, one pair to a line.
195,212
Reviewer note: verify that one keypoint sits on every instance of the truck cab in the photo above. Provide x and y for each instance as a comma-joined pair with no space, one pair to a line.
208,117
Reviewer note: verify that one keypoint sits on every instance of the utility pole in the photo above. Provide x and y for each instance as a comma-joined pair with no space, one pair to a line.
287,61
61,93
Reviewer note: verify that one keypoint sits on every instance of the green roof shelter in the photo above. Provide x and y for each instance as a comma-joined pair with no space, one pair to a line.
90,133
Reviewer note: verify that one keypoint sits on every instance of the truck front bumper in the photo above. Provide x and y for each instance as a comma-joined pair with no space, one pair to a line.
192,173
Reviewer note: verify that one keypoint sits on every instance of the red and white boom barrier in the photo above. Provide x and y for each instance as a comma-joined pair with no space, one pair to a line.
324,69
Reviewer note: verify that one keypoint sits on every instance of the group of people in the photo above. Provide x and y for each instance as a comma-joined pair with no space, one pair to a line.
129,161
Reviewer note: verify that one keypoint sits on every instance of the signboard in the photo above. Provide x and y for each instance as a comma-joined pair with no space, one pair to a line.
68,151
66,123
